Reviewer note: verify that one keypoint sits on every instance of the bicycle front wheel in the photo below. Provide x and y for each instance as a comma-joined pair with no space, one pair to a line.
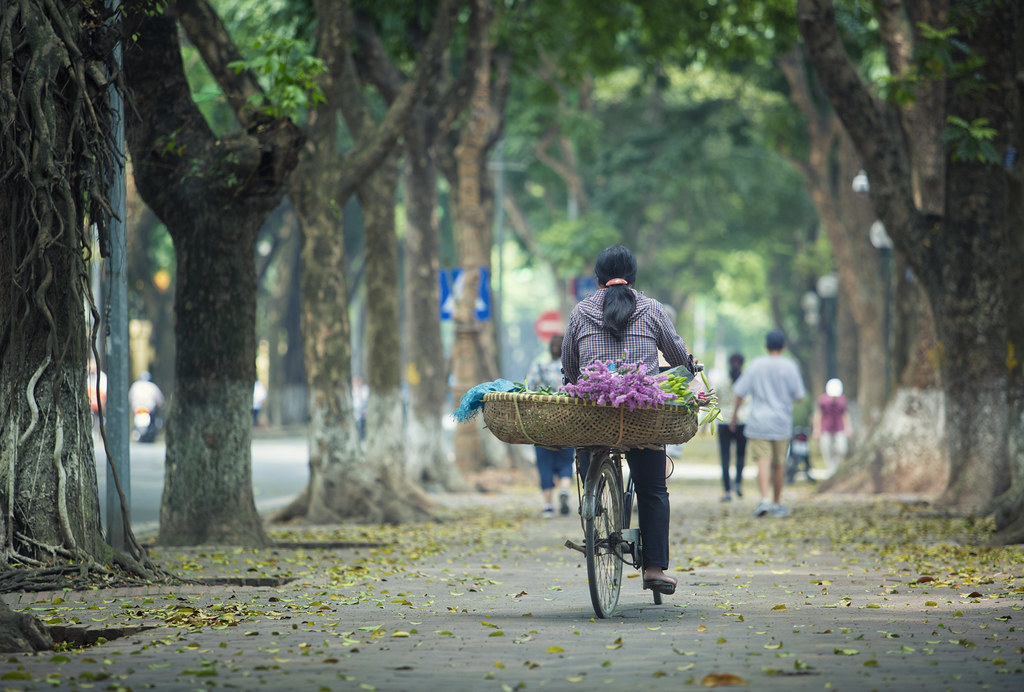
603,533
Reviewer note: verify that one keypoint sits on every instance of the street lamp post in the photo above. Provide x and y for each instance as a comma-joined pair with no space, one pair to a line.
499,165
883,243
828,290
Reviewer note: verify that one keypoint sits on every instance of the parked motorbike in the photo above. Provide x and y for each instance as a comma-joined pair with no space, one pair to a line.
799,457
146,425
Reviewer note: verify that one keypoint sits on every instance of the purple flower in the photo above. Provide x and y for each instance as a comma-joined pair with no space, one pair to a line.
620,383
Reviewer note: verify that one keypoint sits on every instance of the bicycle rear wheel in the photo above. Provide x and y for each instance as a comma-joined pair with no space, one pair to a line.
603,533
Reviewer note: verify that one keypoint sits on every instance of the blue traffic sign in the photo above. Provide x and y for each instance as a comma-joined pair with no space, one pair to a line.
450,284
583,286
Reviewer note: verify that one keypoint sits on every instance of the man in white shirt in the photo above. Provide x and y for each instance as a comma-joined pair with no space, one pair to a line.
773,384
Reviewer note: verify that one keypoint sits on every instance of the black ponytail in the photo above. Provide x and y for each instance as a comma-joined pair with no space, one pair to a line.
617,262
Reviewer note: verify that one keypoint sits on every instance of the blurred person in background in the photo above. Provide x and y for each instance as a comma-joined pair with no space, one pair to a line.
831,425
553,465
147,403
730,431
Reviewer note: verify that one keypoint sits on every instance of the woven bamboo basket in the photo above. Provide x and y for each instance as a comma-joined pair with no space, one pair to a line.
561,421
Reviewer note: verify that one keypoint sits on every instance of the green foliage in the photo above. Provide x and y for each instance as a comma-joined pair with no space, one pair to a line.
572,245
940,55
402,25
288,73
248,19
596,37
681,168
150,8
970,141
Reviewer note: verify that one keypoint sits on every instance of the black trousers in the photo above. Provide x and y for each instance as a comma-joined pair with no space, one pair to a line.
647,468
726,438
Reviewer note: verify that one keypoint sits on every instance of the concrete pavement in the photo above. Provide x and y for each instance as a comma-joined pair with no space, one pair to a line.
845,594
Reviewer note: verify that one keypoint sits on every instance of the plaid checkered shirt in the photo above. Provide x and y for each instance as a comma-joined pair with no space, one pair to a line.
648,331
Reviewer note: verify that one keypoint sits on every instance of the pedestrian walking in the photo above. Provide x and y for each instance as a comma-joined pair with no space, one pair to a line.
831,424
773,384
553,465
731,435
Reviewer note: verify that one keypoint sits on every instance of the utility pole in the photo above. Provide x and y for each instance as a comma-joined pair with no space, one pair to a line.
117,328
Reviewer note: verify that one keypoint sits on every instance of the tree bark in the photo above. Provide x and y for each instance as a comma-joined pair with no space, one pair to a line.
213,194
473,255
425,372
56,155
385,446
342,482
970,258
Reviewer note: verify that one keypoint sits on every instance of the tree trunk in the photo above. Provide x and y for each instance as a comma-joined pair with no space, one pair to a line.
425,370
341,483
213,194
896,448
473,249
49,505
385,448
972,283
973,309
970,258
207,496
56,155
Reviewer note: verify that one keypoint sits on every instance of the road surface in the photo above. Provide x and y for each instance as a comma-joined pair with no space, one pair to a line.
280,471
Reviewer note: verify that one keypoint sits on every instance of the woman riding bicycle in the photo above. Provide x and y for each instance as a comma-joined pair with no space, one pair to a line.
618,322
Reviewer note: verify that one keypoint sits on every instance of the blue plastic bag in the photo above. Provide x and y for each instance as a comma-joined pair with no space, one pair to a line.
473,400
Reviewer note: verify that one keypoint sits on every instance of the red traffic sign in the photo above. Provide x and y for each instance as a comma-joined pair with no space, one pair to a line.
549,324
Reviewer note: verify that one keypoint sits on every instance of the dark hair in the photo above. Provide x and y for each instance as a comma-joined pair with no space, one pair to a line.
555,345
617,262
775,340
735,366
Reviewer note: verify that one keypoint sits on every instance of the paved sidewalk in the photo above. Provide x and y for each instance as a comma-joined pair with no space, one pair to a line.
834,597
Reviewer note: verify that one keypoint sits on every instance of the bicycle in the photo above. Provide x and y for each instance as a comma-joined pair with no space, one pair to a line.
606,503
606,509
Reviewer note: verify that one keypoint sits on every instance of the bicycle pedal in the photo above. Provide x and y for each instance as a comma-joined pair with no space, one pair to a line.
575,546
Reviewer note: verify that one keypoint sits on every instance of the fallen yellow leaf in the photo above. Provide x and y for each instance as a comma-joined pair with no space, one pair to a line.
722,680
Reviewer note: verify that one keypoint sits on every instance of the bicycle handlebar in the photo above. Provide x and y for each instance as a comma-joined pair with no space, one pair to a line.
697,367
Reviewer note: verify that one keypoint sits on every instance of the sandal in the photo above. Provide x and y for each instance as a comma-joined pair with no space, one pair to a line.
661,586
